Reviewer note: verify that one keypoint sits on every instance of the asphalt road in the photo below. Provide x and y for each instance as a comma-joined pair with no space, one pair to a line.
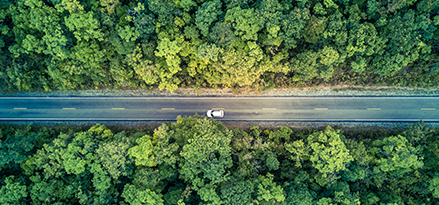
236,108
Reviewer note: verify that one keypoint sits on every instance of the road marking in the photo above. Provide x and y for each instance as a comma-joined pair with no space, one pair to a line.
373,108
218,109
320,108
428,109
268,108
118,108
69,108
19,108
168,108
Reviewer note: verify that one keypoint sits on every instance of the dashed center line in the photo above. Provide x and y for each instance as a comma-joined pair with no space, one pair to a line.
168,108
428,109
373,108
19,108
118,108
320,108
69,108
268,108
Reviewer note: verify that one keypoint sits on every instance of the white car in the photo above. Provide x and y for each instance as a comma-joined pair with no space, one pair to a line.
215,113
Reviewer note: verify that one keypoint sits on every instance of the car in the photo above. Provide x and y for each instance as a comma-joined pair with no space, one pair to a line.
215,113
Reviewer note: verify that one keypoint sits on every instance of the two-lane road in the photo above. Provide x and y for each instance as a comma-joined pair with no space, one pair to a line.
236,108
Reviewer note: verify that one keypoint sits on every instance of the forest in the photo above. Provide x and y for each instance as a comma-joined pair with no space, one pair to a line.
198,160
127,44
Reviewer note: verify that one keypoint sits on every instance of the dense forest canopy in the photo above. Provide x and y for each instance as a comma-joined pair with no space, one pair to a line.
83,44
199,161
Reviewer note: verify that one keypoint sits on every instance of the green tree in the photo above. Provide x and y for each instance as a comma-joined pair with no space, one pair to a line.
268,191
17,145
207,153
305,64
207,14
147,178
239,192
271,161
236,68
143,21
113,155
169,50
135,196
72,169
341,194
329,153
222,34
187,5
36,29
244,22
109,6
12,191
143,152
170,65
191,32
209,194
73,6
145,69
353,173
270,14
315,26
299,152
84,26
404,46
434,186
395,155
128,33
209,52
293,25
298,191
85,67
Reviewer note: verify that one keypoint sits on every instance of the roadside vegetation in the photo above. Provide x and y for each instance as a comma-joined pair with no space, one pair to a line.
122,44
199,161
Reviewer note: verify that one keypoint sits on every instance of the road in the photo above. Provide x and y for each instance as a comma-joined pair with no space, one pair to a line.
366,109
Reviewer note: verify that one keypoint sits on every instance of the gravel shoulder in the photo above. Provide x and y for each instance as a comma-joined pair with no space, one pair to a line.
151,125
230,92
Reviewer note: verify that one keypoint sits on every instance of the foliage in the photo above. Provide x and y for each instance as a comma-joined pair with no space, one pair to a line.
142,153
269,191
329,153
207,14
208,52
244,22
199,161
84,26
395,154
133,195
70,44
239,193
12,192
207,153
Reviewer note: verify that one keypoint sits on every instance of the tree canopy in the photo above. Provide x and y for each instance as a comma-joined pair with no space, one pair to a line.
71,44
200,161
